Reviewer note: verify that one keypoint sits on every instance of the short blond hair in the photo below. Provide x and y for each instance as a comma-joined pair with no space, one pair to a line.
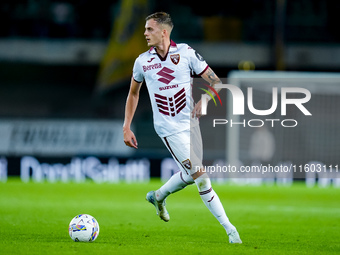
162,18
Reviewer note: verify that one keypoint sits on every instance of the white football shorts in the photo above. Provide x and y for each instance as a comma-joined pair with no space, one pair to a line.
186,149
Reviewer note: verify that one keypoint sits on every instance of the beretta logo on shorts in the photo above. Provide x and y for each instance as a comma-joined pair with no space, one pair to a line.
238,105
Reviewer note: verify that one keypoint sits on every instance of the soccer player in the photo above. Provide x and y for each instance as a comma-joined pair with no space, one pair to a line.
167,68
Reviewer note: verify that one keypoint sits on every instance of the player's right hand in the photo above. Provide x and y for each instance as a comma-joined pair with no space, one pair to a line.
130,139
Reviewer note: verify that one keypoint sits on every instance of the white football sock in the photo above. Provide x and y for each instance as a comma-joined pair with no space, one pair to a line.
177,182
212,201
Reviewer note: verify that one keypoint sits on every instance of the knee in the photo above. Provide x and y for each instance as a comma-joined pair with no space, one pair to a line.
187,179
203,183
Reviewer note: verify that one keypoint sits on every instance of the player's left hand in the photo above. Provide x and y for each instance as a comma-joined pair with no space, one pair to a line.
197,112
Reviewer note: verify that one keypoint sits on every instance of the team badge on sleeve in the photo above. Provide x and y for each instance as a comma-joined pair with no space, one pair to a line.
187,164
175,58
200,58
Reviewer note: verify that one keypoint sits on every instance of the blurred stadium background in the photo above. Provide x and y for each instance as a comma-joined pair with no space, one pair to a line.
65,68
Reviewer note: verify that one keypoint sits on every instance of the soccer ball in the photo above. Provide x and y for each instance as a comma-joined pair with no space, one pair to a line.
83,228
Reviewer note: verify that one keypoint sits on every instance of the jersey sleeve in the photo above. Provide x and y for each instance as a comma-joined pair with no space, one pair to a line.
137,73
197,62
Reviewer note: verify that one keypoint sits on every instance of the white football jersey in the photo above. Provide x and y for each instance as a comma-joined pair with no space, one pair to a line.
168,81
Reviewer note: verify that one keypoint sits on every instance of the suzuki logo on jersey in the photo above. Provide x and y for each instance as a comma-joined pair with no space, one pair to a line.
171,106
166,77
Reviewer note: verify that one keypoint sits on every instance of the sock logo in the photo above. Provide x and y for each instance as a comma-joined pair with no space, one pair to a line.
211,199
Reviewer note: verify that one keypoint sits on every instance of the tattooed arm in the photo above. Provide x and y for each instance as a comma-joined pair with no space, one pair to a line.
212,78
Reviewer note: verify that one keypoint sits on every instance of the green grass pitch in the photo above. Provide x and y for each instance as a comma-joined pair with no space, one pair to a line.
270,219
